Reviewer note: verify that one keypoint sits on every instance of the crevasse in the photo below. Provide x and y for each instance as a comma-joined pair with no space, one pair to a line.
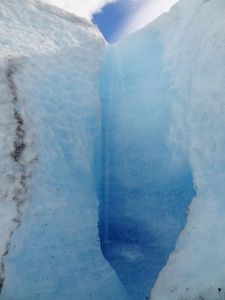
146,191
112,156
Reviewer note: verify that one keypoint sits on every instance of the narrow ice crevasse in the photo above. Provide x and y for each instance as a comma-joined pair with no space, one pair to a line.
147,188
163,115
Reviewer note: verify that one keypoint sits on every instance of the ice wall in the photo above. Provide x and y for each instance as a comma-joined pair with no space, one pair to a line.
193,35
50,115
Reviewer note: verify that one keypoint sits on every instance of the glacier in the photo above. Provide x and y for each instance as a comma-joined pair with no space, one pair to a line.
112,156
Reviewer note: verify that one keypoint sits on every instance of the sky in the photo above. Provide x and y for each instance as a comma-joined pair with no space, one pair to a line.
116,18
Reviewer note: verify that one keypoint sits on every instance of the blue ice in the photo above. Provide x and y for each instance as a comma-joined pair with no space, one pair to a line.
145,192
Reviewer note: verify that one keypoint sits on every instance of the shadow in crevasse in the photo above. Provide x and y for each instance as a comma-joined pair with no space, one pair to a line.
139,228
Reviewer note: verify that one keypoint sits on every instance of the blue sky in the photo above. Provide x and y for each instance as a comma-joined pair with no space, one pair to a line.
112,18
116,18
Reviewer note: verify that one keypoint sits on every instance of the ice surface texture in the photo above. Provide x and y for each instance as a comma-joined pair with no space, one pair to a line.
194,41
49,87
118,137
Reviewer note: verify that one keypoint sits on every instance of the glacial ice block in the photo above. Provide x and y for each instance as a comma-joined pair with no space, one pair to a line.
50,125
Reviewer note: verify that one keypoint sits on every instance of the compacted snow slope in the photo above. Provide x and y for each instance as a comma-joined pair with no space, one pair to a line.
50,123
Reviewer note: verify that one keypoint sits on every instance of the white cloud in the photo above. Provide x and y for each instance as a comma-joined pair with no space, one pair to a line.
147,12
83,8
